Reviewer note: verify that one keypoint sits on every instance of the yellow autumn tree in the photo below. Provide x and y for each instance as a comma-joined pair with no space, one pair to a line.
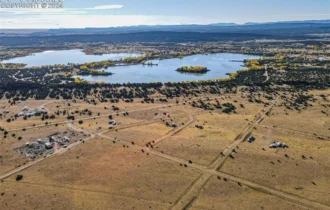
77,80
83,68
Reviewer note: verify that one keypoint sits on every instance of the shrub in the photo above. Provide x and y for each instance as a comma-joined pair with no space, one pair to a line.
19,177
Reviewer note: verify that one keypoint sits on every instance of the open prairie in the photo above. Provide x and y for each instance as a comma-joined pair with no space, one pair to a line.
164,105
181,154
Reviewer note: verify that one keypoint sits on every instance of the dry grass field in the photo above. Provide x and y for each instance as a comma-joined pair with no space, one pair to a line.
141,135
301,169
144,163
220,130
219,194
118,177
11,159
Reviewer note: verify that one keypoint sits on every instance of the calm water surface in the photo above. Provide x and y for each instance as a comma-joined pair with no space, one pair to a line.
218,64
65,57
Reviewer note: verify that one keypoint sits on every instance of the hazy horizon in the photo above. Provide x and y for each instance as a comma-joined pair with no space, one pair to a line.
151,25
115,13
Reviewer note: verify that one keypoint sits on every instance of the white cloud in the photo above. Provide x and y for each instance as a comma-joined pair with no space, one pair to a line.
106,7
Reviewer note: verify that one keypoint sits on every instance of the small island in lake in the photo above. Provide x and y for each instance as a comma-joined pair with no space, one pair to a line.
193,69
149,64
94,72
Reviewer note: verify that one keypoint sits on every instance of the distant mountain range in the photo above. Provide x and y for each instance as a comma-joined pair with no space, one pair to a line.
292,22
216,27
309,31
288,28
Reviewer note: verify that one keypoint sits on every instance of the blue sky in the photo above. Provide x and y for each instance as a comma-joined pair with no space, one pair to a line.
108,13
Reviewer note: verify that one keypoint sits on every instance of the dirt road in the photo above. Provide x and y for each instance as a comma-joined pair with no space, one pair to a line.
89,118
175,131
187,198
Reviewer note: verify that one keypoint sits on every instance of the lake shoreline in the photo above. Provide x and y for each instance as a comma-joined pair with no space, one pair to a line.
218,65
132,69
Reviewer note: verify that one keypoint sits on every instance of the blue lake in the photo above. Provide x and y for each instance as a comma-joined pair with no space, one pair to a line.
65,57
219,64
